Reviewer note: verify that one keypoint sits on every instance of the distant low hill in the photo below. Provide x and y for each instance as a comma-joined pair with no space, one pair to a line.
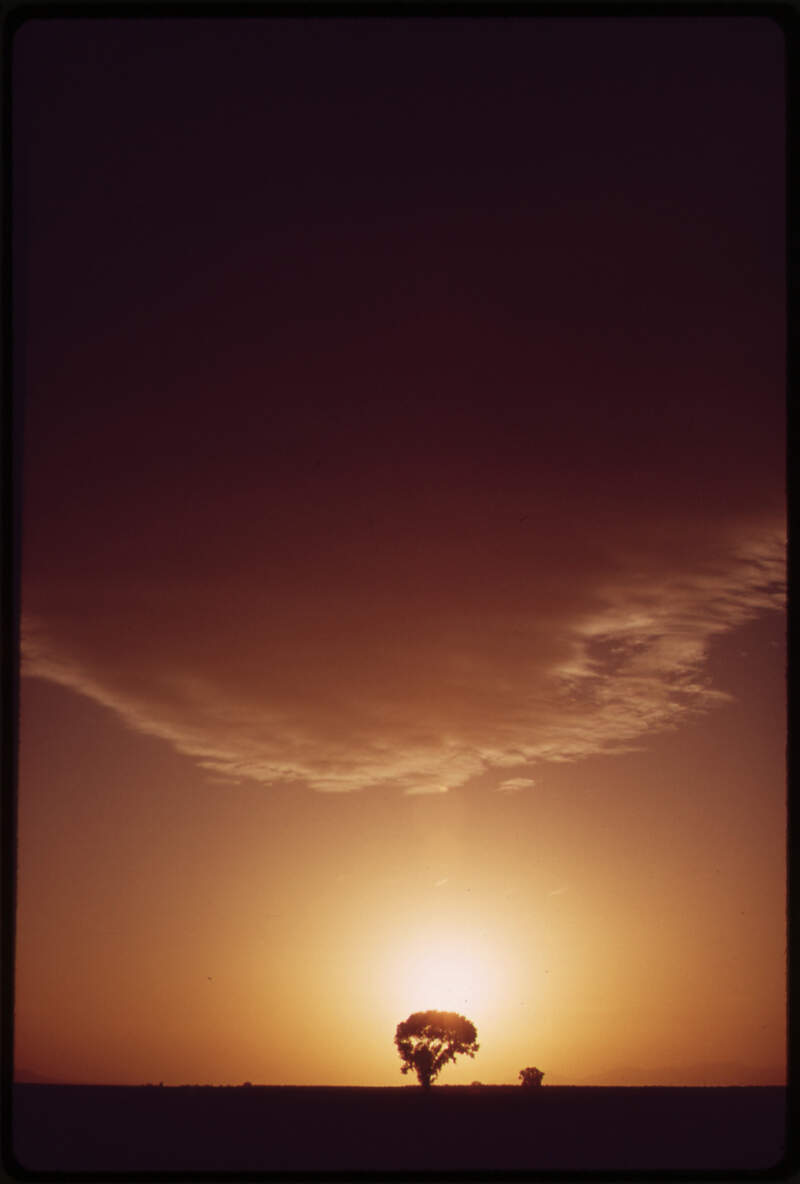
703,1073
28,1077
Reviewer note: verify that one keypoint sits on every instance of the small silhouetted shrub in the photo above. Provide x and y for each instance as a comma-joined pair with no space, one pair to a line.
531,1077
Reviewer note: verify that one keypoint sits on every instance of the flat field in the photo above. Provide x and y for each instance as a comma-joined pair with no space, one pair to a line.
489,1128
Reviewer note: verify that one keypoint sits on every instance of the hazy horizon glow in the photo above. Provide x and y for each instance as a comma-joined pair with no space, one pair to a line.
403,577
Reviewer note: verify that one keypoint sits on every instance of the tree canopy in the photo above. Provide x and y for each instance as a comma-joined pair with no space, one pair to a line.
427,1040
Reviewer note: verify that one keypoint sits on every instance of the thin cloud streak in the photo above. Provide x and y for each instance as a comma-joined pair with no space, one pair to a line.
515,784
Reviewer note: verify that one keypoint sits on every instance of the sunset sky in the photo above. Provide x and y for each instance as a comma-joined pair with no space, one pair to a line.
403,547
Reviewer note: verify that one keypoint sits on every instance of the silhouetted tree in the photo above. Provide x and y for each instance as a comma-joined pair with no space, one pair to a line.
427,1040
531,1077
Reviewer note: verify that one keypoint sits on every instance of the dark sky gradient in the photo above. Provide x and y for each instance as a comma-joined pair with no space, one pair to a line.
420,313
404,413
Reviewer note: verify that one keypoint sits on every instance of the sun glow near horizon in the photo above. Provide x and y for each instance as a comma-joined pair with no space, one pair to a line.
465,972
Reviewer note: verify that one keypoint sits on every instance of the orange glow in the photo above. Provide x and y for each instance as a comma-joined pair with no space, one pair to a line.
202,960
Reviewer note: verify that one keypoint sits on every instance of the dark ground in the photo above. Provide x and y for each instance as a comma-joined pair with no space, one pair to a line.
263,1128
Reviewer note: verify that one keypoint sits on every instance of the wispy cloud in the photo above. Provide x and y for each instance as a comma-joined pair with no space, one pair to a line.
342,690
515,784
